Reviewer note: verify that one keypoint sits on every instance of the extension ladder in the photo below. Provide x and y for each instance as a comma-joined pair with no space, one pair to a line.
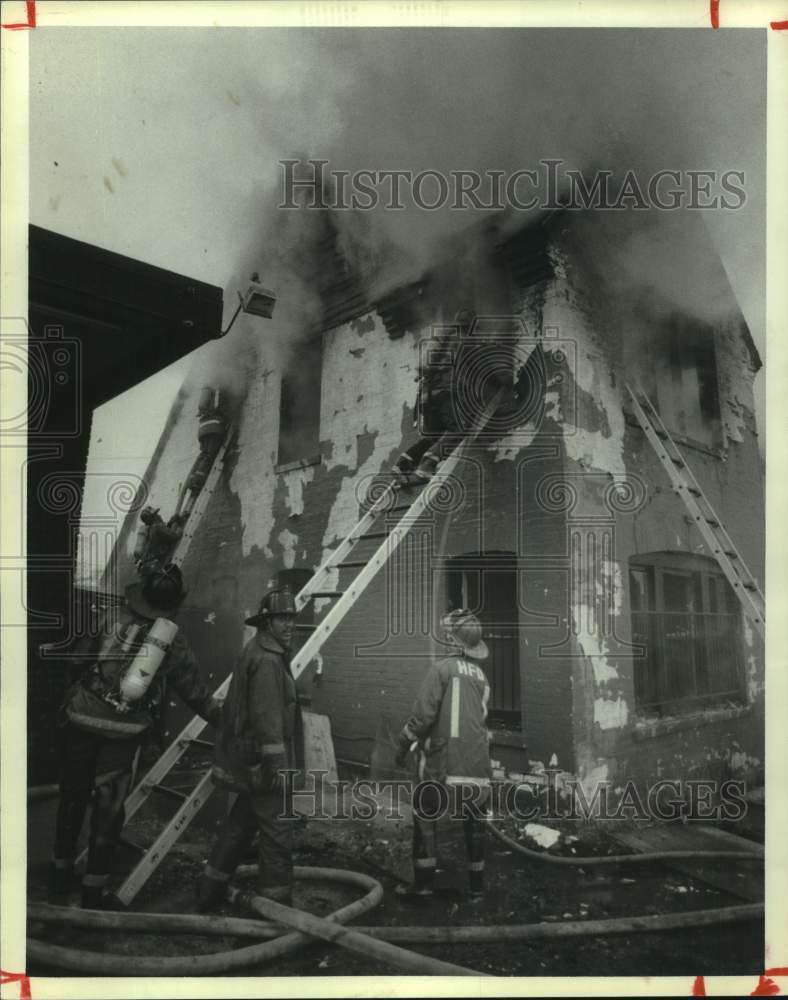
190,735
701,511
202,501
314,589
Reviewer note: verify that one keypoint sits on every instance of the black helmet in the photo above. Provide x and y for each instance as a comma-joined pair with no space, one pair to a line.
160,591
466,630
279,601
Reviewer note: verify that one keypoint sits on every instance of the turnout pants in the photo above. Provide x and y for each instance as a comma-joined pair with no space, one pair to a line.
252,814
83,755
431,802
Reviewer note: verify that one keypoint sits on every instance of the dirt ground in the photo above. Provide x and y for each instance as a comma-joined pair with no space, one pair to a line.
519,891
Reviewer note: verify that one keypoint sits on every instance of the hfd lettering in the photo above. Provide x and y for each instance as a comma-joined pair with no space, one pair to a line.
470,670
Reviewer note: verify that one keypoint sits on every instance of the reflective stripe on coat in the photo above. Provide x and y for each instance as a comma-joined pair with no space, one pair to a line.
449,719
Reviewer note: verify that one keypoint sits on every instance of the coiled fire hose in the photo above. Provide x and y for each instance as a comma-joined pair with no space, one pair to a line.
373,942
307,927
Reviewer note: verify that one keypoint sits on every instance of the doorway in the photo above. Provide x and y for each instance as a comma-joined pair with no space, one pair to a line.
486,584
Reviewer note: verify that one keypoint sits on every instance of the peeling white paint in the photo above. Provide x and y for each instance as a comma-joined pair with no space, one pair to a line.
587,624
591,449
754,675
383,410
253,478
611,714
593,648
295,481
287,540
612,584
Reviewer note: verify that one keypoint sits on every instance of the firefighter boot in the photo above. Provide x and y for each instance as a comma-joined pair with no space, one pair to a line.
59,881
422,885
476,884
93,898
427,467
211,890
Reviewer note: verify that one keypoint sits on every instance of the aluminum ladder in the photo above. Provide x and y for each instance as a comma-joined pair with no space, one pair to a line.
314,589
701,511
190,735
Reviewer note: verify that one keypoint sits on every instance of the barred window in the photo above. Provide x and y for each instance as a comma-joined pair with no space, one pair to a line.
688,621
486,583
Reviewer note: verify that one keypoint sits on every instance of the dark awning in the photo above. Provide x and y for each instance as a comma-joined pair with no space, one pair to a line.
131,319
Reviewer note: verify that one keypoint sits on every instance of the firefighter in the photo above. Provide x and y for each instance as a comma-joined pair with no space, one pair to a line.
447,726
107,715
456,383
212,413
435,411
256,744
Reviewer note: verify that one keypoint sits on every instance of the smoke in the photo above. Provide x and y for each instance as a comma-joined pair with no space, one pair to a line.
201,118
485,100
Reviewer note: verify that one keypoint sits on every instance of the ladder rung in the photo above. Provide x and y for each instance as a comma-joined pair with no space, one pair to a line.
403,506
193,741
373,534
703,513
171,792
357,564
305,628
326,593
133,846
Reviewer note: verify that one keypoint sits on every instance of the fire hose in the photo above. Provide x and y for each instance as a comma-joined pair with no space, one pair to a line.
618,859
306,927
373,942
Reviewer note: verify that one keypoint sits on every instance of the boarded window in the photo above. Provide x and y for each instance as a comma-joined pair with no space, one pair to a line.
687,618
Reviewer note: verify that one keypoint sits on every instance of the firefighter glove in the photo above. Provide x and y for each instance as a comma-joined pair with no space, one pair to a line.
257,779
213,713
272,780
403,747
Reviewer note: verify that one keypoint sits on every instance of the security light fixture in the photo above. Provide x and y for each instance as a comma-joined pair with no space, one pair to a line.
256,301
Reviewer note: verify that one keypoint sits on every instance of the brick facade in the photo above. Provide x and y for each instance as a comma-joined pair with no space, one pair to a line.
580,473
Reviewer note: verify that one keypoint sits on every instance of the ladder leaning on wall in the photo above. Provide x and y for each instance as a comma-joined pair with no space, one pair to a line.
190,736
719,542
371,527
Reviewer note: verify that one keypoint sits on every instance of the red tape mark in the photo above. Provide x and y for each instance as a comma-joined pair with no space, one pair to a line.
714,11
766,987
31,18
778,25
17,977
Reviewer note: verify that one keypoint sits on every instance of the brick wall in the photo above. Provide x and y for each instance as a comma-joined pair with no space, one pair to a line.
576,689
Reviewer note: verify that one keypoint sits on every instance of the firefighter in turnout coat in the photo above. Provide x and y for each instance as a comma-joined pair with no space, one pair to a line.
100,733
257,743
448,725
